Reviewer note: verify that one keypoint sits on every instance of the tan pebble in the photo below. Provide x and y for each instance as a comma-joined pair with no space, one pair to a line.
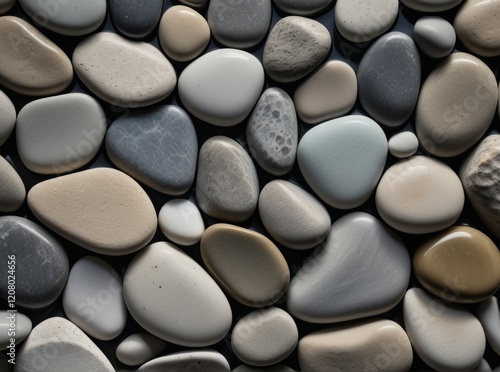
12,191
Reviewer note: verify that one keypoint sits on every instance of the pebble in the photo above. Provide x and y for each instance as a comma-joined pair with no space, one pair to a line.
435,36
477,24
122,72
389,79
431,5
275,368
111,214
294,48
12,190
41,263
272,132
361,257
139,348
30,63
445,337
6,5
488,313
222,86
292,216
183,33
246,264
10,320
362,21
93,299
7,117
181,222
227,186
403,145
419,195
456,105
198,360
56,344
157,147
365,345
60,134
330,92
135,19
359,147
67,17
264,337
172,297
197,4
301,7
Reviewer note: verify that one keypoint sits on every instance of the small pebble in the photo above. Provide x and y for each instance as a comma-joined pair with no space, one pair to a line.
301,7
488,313
181,222
12,190
435,36
135,19
7,117
187,361
10,320
139,348
431,5
403,145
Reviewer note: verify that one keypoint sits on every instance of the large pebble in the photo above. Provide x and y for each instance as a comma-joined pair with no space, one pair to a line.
389,79
294,48
171,296
30,63
157,147
135,19
60,134
343,159
188,361
13,324
446,337
12,190
431,5
456,105
360,257
246,264
227,187
435,36
292,216
275,368
365,345
6,5
40,263
7,117
301,7
419,195
403,145
272,132
180,221
139,348
101,209
123,72
488,313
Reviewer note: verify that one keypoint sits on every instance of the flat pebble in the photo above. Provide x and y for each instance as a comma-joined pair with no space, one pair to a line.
446,337
41,263
17,321
7,117
376,344
403,145
292,216
227,187
330,92
111,214
30,63
60,134
93,299
488,313
139,348
12,190
389,79
359,147
197,360
171,296
301,7
246,264
56,344
272,132
181,222
361,257
419,195
183,33
431,5
456,105
157,147
6,5
123,72
196,4
435,36
264,337
275,368
294,48
135,19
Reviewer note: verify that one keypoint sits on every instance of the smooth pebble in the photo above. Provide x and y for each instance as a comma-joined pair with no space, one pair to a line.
12,190
139,348
488,313
181,222
188,361
6,5
435,36
196,4
135,19
11,322
431,5
7,117
275,368
301,7
403,145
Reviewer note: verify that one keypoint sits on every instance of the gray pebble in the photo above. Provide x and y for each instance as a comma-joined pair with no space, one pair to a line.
435,36
301,7
12,190
135,18
7,117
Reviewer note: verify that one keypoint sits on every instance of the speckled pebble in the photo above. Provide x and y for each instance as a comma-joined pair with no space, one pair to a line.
403,145
135,19
435,36
139,348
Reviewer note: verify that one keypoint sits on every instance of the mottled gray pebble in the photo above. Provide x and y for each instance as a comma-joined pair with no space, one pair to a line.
135,19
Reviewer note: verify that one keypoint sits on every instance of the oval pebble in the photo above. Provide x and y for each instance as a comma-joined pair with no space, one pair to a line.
246,264
41,263
222,86
294,48
139,348
197,360
431,5
112,214
93,298
6,5
17,321
292,216
488,313
30,63
389,79
123,72
272,132
264,337
7,117
359,147
302,8
403,145
227,187
275,368
171,296
181,222
60,134
419,195
135,19
330,92
456,105
12,190
446,337
435,36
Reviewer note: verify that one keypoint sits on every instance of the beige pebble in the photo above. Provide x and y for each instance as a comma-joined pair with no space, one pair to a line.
12,191
7,117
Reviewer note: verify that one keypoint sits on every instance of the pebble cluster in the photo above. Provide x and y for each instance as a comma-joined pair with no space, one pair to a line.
249,185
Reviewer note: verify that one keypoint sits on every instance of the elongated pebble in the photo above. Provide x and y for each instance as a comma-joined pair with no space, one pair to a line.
180,221
12,190
17,322
139,348
196,360
488,313
435,36
431,5
135,19
302,8
7,117
403,145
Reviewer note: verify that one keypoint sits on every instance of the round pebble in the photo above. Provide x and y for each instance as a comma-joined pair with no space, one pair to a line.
181,222
488,313
403,145
431,5
435,36
187,361
7,117
135,19
139,348
301,7
10,320
12,190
